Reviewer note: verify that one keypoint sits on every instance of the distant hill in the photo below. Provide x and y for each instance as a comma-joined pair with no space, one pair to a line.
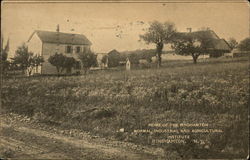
136,55
139,51
116,57
146,51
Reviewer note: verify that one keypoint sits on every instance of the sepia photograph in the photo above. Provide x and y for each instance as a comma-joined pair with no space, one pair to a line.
125,79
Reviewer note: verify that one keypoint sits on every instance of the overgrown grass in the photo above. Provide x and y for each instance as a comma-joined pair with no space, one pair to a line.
105,101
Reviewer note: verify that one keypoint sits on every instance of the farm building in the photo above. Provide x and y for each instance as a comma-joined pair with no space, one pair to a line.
114,58
47,43
238,53
216,46
110,59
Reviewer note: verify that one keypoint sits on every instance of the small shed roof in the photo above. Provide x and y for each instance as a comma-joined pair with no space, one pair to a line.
114,51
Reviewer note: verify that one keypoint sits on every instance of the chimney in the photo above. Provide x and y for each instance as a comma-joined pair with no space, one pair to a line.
58,29
57,38
189,30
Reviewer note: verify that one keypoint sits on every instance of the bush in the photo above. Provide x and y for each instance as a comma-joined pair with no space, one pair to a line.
134,58
88,60
244,45
62,62
104,112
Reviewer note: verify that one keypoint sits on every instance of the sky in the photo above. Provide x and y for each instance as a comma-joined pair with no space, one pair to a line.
118,25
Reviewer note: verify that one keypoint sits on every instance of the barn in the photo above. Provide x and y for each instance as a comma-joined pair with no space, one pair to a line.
217,46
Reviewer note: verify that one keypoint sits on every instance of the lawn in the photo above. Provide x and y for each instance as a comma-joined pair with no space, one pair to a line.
107,101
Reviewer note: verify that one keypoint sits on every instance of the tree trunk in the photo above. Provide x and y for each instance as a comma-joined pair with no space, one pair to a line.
195,57
62,70
195,60
159,48
158,60
85,71
69,70
58,71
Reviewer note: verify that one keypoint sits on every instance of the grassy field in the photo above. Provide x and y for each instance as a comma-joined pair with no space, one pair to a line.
104,102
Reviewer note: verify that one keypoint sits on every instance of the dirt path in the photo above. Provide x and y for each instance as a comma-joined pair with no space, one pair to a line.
24,142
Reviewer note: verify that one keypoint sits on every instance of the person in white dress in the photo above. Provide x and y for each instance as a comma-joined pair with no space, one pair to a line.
128,64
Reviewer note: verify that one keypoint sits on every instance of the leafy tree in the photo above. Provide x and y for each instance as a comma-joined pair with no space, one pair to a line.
62,62
57,60
147,55
88,59
159,34
34,61
134,58
245,44
4,63
69,63
26,60
4,51
21,57
104,59
13,67
232,43
191,44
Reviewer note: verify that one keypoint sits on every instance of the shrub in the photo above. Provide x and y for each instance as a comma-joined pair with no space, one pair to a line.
104,112
88,60
244,45
62,62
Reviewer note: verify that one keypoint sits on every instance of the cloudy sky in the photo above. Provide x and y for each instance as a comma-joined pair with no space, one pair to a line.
118,25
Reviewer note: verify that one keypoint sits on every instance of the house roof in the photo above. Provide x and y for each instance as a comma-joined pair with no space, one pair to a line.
216,43
206,33
114,51
62,38
220,44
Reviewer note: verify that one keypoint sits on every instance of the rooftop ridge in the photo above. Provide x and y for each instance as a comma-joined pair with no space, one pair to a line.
57,32
61,37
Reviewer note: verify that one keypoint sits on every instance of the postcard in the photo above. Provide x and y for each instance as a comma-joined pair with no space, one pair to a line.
124,80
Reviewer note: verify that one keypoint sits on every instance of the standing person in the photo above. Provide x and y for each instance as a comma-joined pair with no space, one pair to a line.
128,64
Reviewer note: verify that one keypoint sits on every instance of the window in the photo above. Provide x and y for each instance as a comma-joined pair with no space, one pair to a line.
78,49
69,49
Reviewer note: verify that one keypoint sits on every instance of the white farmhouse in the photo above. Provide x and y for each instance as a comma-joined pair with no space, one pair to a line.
46,43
